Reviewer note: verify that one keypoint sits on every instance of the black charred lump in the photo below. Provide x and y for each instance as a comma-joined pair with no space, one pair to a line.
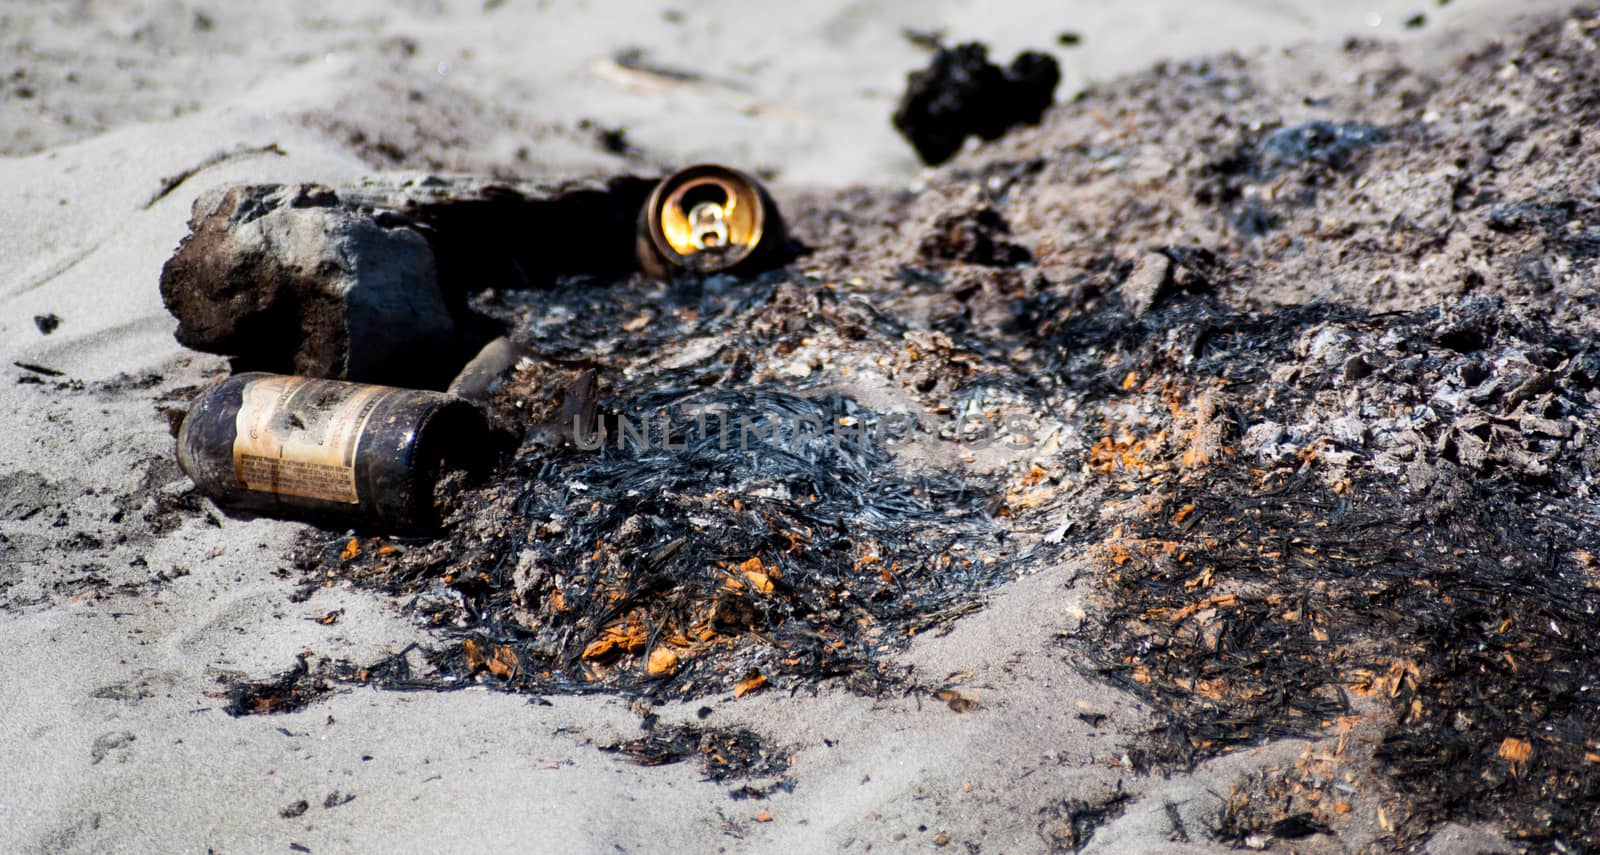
979,235
961,93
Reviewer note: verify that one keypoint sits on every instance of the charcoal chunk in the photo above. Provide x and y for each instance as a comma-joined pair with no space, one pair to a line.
961,94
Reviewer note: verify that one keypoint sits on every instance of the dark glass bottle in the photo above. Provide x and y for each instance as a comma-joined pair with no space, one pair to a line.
329,451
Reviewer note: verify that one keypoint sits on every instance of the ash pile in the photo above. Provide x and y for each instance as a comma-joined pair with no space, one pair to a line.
1330,350
718,539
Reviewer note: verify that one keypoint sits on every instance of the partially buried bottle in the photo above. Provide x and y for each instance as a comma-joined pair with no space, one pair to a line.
327,450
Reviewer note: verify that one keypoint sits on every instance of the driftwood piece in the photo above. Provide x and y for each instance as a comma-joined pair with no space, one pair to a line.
369,282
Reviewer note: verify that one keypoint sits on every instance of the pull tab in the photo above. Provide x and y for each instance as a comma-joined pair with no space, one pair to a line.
708,226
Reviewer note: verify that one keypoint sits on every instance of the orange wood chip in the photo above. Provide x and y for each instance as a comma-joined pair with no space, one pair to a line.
753,683
474,653
1516,750
504,663
663,660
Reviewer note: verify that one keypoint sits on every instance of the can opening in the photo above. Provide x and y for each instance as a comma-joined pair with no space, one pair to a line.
706,218
704,193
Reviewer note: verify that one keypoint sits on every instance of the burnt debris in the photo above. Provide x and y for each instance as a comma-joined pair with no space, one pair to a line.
1329,144
1420,560
289,691
980,235
735,539
1334,477
1297,161
1068,826
961,94
724,753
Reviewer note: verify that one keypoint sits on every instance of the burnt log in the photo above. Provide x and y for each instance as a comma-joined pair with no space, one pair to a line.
370,282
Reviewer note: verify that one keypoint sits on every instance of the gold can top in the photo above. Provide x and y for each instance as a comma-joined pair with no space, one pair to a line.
706,217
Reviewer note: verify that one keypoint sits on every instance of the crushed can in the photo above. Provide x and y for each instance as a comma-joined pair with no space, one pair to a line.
329,450
708,219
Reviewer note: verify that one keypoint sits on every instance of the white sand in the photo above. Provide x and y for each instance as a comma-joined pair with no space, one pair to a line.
111,735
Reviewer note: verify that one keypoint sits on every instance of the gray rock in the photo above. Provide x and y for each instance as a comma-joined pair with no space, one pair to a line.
1147,281
530,575
484,374
1325,345
288,279
1269,441
1349,431
1214,428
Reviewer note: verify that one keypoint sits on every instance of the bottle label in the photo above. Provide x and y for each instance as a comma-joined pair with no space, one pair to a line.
297,437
